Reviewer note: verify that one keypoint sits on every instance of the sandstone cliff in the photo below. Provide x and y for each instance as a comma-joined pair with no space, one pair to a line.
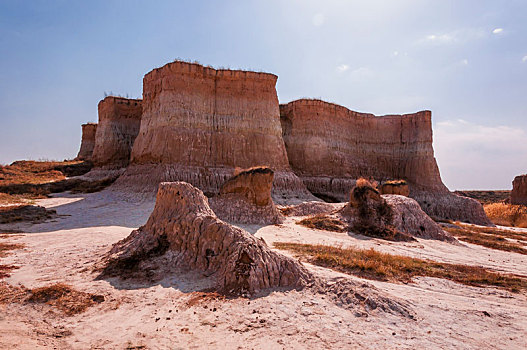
246,198
200,123
87,141
119,121
330,146
519,190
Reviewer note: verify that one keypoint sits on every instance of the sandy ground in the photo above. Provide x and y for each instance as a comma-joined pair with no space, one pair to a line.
169,314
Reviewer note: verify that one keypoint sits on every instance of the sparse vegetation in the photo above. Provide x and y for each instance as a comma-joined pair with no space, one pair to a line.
323,222
4,249
486,197
374,265
490,237
32,213
507,214
65,298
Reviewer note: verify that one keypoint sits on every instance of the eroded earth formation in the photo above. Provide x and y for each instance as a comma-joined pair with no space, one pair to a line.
119,121
330,147
186,232
519,190
200,123
246,198
87,141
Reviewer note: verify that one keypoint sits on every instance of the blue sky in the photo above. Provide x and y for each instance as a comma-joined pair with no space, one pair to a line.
464,60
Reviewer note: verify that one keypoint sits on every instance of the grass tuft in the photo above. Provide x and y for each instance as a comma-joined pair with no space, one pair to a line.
323,222
374,265
65,298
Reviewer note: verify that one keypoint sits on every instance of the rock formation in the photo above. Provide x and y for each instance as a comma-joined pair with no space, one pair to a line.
184,227
395,187
119,121
330,146
87,141
519,190
200,123
392,217
246,198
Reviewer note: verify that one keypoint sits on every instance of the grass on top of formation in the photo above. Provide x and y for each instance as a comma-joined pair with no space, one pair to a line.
375,265
490,237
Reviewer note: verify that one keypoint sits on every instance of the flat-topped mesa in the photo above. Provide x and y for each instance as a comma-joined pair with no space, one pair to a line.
330,146
200,123
87,141
119,121
519,190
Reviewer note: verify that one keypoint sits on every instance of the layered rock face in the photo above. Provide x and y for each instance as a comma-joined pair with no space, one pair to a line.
119,122
200,123
330,146
186,231
519,190
87,141
246,198
395,187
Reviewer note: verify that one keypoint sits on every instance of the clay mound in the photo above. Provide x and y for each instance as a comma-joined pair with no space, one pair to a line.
399,187
408,217
200,123
87,141
246,198
329,147
183,224
119,121
391,217
519,190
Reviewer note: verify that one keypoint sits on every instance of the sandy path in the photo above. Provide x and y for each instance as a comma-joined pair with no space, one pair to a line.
159,316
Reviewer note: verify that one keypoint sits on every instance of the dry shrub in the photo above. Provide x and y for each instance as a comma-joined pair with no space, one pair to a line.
323,222
32,213
64,297
507,214
396,268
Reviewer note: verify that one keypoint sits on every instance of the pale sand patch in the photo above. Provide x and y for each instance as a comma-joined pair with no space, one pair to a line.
449,315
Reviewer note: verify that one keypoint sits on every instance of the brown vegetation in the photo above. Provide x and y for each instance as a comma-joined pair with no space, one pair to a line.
59,295
64,298
396,268
490,237
323,222
33,213
4,249
507,214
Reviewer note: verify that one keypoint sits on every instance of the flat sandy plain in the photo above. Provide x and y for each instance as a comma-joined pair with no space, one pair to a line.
173,314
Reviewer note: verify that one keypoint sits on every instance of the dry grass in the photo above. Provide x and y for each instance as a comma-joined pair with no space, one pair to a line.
65,298
323,222
26,180
507,214
396,268
490,237
61,296
32,213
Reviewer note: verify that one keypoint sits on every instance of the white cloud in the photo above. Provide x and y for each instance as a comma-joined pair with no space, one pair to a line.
462,35
524,59
395,53
497,31
361,74
464,62
473,156
319,19
440,38
342,68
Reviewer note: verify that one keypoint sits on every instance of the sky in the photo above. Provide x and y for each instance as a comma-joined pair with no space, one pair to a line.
465,60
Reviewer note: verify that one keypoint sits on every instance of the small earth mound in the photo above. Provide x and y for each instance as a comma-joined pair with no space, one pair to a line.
183,224
246,198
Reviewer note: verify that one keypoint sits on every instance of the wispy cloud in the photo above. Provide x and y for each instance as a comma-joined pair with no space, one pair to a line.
524,59
319,19
497,31
458,36
342,68
479,156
